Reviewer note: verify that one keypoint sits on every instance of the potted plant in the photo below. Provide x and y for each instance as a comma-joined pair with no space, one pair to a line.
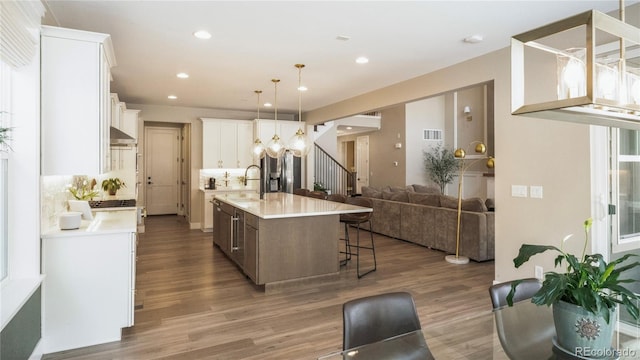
83,189
5,138
112,185
585,297
441,165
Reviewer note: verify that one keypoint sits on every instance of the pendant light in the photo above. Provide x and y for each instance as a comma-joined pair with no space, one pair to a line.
595,79
275,148
299,143
258,147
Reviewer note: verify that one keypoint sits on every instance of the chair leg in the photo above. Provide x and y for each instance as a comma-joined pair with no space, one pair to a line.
358,247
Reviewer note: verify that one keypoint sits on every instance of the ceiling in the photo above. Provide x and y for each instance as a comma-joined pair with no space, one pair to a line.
255,41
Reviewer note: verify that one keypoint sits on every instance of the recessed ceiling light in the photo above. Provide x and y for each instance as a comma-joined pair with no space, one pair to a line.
172,97
473,39
362,60
202,34
349,128
302,88
343,37
182,75
267,105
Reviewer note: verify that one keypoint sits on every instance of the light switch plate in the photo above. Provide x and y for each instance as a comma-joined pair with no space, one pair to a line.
536,192
519,190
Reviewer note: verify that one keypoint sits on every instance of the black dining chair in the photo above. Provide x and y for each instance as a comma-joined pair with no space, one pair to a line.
525,289
374,318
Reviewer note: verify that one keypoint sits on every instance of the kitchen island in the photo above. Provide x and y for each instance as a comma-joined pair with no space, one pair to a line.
282,239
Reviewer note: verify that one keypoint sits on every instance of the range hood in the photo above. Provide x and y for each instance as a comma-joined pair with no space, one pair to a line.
120,138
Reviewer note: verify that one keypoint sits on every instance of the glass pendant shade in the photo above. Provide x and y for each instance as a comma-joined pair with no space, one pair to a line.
275,147
299,144
258,149
580,69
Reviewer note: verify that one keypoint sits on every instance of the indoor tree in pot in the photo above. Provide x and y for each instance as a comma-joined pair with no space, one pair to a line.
441,165
584,298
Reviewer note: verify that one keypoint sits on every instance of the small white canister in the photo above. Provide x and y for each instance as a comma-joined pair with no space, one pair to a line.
70,220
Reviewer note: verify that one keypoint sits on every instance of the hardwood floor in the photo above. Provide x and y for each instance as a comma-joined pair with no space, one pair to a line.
193,303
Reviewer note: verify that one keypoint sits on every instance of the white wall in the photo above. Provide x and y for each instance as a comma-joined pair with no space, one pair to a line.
420,115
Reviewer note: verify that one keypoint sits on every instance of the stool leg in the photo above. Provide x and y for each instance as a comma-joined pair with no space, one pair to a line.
347,245
372,248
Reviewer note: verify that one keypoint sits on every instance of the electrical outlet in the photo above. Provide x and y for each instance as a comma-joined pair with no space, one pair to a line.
539,273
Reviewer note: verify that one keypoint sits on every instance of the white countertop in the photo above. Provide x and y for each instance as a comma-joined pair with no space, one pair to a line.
227,189
104,222
284,205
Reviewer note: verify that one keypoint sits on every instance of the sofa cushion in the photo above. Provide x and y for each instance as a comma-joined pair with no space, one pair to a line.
474,204
424,199
397,189
449,202
400,196
471,204
371,192
429,189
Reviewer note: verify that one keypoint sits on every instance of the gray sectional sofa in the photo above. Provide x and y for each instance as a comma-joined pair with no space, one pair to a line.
420,214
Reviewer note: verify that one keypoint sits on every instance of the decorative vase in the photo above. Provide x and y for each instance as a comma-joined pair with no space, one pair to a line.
112,192
582,333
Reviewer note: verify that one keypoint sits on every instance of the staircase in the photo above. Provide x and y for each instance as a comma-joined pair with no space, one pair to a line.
332,175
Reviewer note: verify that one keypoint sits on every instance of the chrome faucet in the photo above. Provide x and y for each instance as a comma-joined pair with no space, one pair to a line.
260,178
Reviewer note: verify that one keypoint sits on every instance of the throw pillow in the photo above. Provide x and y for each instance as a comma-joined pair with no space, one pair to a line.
395,196
491,204
424,199
397,189
429,189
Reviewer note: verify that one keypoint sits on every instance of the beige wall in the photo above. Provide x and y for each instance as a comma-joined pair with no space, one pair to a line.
528,152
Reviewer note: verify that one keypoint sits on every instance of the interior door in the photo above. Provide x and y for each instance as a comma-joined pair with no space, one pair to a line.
162,147
362,162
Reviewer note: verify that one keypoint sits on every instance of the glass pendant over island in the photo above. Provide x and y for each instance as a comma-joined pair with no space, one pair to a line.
275,147
299,143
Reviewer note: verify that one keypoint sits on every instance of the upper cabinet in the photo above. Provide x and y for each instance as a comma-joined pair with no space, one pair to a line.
226,143
75,101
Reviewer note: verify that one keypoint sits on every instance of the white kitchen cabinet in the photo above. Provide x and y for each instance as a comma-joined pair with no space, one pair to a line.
226,143
88,290
75,101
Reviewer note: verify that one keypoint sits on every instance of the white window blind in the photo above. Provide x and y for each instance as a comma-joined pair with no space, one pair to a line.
19,31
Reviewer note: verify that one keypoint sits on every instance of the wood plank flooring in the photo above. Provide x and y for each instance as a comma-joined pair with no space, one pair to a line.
193,303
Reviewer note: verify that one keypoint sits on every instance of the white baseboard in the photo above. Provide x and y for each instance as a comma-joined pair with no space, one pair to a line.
37,351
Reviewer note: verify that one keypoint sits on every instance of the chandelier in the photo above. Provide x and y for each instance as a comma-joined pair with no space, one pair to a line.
585,69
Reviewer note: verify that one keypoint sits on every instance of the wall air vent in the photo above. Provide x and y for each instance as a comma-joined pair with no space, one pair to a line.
432,134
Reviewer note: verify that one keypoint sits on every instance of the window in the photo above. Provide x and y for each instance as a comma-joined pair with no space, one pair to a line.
5,122
626,190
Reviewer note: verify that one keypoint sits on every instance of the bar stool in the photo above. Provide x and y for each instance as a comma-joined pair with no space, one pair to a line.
356,219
